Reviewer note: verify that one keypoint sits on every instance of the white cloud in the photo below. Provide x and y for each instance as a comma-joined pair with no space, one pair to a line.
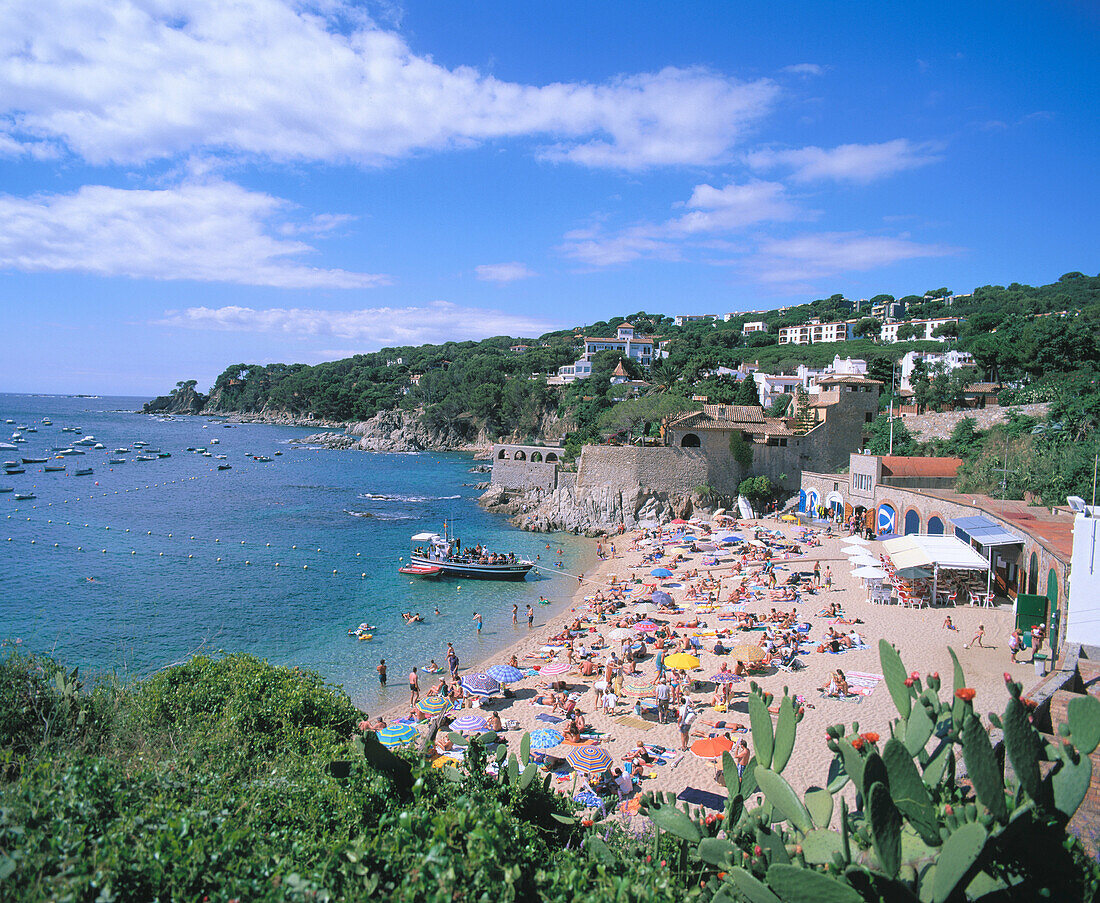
862,163
503,272
827,253
804,69
376,327
213,231
130,81
715,211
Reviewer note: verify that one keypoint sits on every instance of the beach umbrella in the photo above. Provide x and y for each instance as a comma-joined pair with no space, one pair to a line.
639,688
480,684
397,735
554,668
681,661
647,524
854,550
913,573
647,626
788,517
660,572
718,511
660,597
469,724
858,540
733,537
591,759
434,705
644,608
620,633
725,677
747,652
859,561
711,747
546,738
679,520
869,572
505,674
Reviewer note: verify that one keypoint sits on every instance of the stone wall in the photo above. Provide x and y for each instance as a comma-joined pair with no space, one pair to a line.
525,475
625,468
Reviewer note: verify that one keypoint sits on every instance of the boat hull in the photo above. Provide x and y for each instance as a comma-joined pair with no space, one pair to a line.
517,571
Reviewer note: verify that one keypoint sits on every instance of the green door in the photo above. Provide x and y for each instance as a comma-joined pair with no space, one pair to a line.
1052,588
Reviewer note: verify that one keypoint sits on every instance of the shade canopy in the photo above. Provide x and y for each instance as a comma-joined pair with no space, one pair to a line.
869,572
854,550
933,551
505,674
397,735
424,537
480,684
858,540
711,747
682,661
546,738
470,724
660,597
621,633
987,532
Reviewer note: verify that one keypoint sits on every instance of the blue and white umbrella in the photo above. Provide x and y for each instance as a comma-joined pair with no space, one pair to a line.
397,735
546,738
505,674
480,684
660,572
470,724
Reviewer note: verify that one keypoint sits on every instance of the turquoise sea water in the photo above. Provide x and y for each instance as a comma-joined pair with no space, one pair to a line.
159,592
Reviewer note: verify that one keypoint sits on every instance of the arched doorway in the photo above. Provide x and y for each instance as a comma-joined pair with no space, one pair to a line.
887,518
1033,574
835,503
551,457
935,526
912,521
503,454
690,440
812,501
1052,588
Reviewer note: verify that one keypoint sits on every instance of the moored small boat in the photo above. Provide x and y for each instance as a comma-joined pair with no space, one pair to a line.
53,468
35,460
425,571
82,472
24,496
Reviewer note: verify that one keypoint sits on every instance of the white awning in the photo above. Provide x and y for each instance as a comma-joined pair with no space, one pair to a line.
425,537
920,550
986,532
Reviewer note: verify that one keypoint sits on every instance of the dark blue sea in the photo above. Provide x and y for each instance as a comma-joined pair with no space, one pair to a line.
144,563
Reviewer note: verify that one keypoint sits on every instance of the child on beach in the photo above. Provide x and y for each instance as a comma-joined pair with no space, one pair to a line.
977,638
947,625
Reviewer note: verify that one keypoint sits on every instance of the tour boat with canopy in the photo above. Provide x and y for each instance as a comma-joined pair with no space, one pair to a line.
455,560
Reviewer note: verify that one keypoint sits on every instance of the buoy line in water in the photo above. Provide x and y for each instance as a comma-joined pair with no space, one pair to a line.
558,572
95,494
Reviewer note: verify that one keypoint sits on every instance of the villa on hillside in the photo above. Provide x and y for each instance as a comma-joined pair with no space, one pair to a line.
624,342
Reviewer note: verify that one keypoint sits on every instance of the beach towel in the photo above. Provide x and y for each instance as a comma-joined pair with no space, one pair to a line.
862,683
703,798
634,723
856,699
549,719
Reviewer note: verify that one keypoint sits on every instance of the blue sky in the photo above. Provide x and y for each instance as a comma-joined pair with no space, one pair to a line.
186,184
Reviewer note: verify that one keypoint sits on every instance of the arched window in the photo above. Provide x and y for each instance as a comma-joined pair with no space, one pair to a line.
503,454
1033,575
551,457
690,440
536,456
912,521
935,526
519,456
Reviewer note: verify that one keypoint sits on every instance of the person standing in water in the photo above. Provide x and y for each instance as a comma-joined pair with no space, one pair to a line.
477,621
530,615
414,687
381,669
515,615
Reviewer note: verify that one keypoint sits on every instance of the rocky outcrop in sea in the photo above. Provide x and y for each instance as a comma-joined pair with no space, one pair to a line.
397,431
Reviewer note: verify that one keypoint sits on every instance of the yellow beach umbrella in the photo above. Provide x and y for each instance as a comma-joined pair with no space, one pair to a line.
789,517
747,652
682,661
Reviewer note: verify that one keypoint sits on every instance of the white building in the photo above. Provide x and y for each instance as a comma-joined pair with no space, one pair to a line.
946,360
626,343
925,328
754,326
582,369
771,386
815,331
1083,605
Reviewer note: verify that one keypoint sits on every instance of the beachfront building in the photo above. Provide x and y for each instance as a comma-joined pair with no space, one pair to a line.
1029,547
1083,609
925,329
815,332
931,360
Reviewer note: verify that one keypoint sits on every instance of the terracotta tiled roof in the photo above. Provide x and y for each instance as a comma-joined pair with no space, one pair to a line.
778,427
619,371
984,387
736,413
897,466
723,417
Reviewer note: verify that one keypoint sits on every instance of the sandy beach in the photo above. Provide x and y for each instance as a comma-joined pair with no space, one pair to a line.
919,634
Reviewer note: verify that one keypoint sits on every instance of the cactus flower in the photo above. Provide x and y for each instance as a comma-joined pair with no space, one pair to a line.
870,737
857,743
721,876
909,681
915,675
757,850
966,694
587,823
1007,677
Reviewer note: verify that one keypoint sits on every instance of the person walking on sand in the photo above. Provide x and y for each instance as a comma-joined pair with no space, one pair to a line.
741,756
515,615
414,687
1015,641
381,669
686,720
817,574
530,615
977,638
828,577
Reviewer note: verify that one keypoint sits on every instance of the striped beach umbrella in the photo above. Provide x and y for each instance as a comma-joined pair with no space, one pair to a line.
641,689
397,735
681,661
469,724
434,705
591,759
546,738
647,626
480,684
747,652
505,674
554,668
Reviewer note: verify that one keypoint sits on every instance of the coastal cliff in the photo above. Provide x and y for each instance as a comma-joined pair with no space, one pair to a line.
399,431
183,399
